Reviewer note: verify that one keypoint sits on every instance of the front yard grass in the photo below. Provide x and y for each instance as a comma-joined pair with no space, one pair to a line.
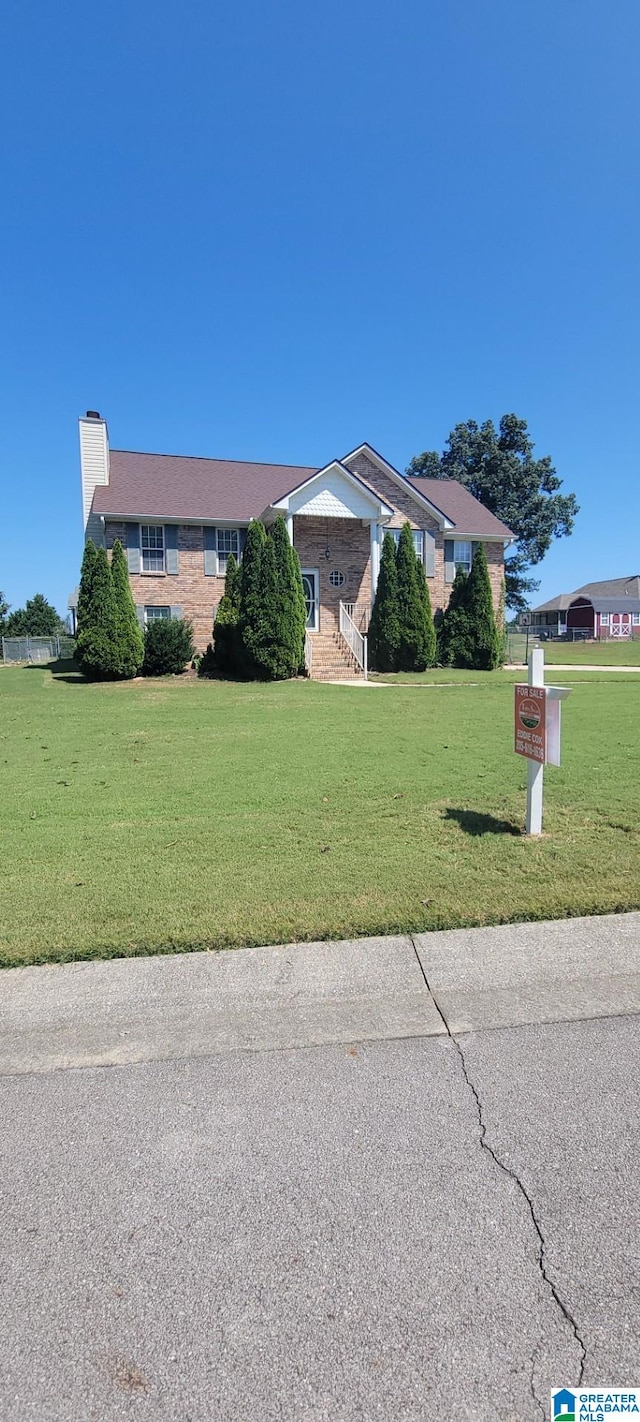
167,815
623,653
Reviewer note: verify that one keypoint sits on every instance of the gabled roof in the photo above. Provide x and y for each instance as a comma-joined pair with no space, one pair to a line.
179,487
622,590
336,485
467,515
397,478
176,486
613,587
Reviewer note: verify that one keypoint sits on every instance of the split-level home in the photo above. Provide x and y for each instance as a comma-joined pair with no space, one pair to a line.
180,518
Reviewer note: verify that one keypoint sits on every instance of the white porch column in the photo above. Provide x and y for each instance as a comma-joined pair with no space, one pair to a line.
289,522
374,530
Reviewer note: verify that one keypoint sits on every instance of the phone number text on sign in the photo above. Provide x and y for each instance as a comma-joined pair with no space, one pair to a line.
530,722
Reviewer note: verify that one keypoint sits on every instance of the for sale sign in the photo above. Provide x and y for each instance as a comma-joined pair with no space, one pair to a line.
531,722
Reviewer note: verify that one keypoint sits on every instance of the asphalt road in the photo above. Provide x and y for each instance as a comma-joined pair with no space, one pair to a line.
378,1230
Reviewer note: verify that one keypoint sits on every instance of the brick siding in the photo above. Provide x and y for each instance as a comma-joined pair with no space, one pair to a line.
191,589
350,553
349,542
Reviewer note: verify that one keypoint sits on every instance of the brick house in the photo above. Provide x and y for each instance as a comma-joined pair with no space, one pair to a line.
179,518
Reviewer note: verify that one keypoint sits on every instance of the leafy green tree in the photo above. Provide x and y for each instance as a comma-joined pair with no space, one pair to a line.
37,619
455,642
498,467
4,608
225,627
129,635
168,646
416,646
482,623
96,645
250,621
384,627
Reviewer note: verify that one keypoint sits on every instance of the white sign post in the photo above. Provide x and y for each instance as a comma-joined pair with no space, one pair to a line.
537,733
535,769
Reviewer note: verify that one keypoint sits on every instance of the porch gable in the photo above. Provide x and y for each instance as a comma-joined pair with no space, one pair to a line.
334,492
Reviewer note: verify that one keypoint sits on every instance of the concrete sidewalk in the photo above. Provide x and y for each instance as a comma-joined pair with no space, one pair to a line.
266,1210
131,1010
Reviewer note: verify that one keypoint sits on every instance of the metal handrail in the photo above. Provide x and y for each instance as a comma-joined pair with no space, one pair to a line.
360,614
308,653
354,639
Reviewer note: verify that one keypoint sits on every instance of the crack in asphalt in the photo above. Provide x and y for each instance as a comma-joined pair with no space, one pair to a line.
512,1174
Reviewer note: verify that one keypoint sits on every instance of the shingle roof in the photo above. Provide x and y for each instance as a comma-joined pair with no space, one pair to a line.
615,604
613,587
555,604
620,589
175,486
458,505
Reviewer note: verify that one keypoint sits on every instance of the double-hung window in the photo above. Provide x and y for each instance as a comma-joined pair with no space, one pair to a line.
635,619
152,548
604,619
417,535
462,556
228,541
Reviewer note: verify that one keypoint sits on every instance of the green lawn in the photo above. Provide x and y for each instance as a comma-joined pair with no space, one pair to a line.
176,814
603,654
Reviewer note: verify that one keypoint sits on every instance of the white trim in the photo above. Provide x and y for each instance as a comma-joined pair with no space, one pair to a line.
374,542
382,509
313,573
178,519
385,468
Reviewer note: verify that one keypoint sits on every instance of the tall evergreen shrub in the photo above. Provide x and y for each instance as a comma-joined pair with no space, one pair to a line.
86,584
384,627
416,646
129,651
251,619
482,623
96,646
225,627
425,597
292,611
455,643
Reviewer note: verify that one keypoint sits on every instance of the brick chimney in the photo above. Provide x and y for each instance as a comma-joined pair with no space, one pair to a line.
94,464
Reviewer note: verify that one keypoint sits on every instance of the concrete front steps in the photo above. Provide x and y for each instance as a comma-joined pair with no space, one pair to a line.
332,659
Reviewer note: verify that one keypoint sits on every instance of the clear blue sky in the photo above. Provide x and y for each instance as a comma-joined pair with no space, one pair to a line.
273,230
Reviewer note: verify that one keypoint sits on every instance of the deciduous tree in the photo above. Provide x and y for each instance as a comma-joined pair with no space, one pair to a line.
499,468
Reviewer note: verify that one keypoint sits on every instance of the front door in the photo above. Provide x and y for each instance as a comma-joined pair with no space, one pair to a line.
310,584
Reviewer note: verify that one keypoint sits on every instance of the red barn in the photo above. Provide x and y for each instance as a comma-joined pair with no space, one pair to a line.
609,609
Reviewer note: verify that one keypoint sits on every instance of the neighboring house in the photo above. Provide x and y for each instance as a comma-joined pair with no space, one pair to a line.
180,518
598,610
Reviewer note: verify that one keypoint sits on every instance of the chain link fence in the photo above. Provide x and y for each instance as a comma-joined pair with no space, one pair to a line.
36,649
